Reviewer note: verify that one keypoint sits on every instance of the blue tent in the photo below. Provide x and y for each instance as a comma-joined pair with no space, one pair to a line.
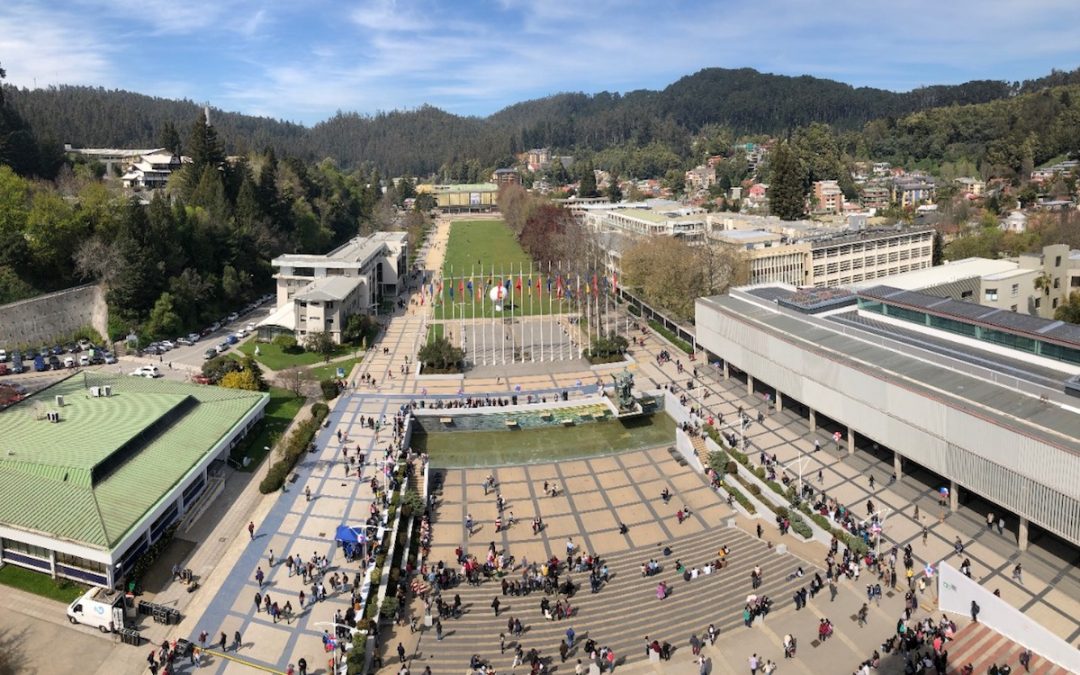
352,539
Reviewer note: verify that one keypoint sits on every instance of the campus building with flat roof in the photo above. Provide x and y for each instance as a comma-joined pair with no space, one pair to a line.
95,468
978,396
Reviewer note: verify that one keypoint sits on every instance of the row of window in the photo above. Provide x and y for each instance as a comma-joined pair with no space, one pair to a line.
995,336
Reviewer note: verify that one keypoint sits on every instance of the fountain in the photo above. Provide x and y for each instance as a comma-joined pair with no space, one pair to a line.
622,395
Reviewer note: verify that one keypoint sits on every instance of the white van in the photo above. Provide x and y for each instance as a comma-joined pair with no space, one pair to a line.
146,371
97,609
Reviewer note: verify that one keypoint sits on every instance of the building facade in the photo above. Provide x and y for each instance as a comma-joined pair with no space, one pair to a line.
318,293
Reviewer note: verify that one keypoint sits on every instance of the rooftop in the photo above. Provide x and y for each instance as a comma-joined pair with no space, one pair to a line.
944,274
93,476
1051,330
1058,426
326,289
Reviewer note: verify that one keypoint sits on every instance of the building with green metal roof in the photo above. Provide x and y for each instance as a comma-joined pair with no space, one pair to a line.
96,467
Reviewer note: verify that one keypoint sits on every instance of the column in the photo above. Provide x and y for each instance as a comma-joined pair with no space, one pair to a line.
954,496
749,384
52,563
727,373
850,441
813,420
779,403
897,466
1022,534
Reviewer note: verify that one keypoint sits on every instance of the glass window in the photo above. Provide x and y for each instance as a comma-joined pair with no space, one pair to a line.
990,294
1009,340
26,549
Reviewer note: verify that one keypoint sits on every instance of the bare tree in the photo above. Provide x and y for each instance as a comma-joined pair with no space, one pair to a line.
297,380
97,260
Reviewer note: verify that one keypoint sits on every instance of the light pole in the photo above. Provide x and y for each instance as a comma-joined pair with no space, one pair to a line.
801,459
878,519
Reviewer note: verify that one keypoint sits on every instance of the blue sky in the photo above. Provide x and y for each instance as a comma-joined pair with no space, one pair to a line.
303,60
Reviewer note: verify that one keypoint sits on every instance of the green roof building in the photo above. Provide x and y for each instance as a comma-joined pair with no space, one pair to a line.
95,468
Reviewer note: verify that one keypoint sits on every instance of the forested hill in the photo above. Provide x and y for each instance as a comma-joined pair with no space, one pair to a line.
423,140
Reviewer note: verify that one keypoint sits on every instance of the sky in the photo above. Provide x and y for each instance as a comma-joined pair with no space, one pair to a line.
304,60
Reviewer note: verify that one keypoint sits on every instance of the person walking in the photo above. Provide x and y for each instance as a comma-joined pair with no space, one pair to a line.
975,611
1017,574
237,640
251,529
259,576
754,664
1025,660
307,492
224,642
990,520
401,652
495,605
258,602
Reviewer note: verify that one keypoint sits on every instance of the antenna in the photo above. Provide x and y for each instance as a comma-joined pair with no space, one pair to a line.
206,112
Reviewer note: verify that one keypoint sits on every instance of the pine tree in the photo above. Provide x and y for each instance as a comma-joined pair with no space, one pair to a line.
205,150
614,192
787,198
587,187
169,138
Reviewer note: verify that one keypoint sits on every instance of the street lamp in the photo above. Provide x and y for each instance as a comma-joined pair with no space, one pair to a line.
801,459
878,520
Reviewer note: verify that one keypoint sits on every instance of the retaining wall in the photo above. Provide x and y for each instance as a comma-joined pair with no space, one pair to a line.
44,319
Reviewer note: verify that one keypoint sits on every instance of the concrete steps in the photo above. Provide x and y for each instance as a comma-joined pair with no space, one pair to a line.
215,485
624,611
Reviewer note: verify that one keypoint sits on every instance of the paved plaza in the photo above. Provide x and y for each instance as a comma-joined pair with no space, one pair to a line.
597,494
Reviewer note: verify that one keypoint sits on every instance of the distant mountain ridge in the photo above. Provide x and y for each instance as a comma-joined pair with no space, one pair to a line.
423,140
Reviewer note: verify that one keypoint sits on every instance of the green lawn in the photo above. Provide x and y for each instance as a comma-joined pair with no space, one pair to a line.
330,369
271,356
280,411
487,252
41,584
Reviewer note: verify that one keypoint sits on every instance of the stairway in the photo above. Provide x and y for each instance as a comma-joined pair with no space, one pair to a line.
625,610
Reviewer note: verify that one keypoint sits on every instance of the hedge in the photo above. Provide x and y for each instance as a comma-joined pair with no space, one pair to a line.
633,309
671,337
739,497
294,448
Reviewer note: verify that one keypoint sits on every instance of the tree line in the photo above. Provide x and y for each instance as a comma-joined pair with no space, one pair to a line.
655,128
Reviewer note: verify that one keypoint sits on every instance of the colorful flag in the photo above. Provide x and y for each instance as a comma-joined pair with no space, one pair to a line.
461,288
530,285
517,284
595,286
469,286
451,290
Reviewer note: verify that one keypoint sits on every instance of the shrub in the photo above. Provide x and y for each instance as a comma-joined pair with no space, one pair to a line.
739,497
319,411
376,577
389,607
671,337
799,526
287,343
412,503
783,512
438,355
291,452
754,489
732,467
329,388
633,309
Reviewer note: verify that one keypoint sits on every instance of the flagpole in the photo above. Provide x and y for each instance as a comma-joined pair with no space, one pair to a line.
502,283
532,324
472,302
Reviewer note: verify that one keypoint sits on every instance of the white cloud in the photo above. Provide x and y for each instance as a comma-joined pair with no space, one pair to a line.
40,46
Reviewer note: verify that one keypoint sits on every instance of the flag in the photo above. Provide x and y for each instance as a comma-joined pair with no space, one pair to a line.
530,286
595,287
461,288
517,284
469,286
451,290
540,288
559,290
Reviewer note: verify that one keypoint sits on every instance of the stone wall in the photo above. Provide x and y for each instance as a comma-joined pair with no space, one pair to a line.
46,318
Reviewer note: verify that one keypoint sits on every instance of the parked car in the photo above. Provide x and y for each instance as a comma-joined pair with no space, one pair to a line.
108,357
223,347
85,344
194,337
84,359
167,345
17,363
3,355
250,328
54,362
210,353
232,339
146,371
40,365
233,317
57,350
3,368
184,342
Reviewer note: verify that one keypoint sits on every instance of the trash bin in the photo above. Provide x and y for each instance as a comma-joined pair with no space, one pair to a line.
173,615
145,607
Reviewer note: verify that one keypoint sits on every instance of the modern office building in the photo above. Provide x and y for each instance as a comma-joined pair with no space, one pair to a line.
95,468
980,397
463,198
317,293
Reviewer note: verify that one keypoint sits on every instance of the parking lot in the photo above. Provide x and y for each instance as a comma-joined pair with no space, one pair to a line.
178,363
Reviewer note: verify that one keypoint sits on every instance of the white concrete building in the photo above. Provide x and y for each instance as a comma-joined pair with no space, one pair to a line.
319,292
976,396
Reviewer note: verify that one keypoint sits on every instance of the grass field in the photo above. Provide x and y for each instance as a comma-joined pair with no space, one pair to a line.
474,247
271,356
330,369
41,584
280,411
